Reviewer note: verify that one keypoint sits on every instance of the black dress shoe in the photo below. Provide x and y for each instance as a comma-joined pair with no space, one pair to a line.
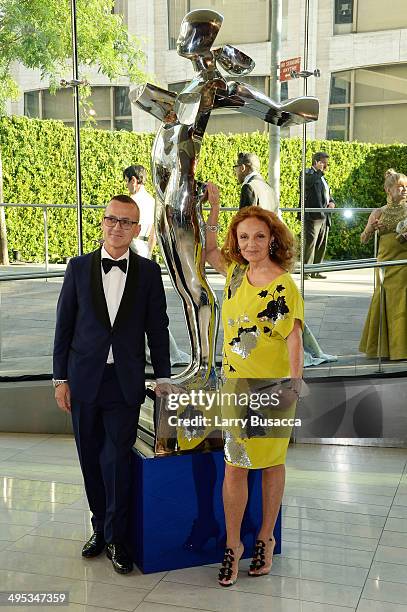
94,546
121,560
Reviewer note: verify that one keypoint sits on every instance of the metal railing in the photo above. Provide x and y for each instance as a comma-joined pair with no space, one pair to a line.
45,208
367,263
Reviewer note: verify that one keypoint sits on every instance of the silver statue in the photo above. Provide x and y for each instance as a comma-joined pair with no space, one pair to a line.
178,213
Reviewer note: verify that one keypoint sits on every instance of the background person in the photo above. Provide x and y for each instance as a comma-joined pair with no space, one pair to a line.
135,178
394,316
255,191
262,315
317,224
109,300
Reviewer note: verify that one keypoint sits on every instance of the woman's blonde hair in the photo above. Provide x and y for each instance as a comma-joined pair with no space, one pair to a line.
391,178
284,251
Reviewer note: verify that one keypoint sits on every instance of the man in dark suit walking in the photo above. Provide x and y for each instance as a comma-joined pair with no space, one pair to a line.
109,299
317,224
255,190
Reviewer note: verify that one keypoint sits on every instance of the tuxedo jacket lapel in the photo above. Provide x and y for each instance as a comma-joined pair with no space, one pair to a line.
127,303
98,295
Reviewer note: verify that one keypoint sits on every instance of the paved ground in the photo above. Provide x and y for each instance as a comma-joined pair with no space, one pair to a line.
344,537
335,311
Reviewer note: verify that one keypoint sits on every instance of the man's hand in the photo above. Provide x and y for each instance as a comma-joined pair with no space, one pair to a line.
63,397
164,389
331,205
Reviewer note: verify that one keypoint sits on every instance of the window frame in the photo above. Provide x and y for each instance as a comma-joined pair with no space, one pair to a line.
188,8
352,105
113,116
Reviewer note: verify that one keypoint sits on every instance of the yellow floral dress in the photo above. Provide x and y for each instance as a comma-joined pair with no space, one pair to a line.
256,323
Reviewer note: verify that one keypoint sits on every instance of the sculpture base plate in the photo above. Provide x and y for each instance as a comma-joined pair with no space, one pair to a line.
177,514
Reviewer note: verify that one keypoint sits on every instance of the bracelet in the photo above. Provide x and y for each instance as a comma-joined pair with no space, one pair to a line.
212,228
58,381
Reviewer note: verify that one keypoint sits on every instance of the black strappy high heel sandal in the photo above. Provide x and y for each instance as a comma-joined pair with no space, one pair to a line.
226,571
259,559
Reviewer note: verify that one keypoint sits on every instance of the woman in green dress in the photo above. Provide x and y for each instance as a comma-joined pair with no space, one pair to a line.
262,316
392,246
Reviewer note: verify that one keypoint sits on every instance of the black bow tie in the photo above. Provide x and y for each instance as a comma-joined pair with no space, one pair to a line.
108,264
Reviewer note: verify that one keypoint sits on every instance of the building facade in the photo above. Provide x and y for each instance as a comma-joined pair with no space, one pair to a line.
361,53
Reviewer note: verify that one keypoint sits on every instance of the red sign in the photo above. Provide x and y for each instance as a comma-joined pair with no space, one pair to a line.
287,66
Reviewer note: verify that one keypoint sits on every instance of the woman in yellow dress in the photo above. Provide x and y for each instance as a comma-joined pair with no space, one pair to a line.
262,316
392,246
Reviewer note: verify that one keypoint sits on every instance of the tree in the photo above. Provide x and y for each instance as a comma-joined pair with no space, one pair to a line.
37,34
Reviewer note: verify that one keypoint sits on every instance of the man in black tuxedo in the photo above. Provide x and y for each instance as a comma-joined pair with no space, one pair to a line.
317,224
255,190
109,299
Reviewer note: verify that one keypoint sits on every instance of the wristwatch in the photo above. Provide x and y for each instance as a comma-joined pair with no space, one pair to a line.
57,382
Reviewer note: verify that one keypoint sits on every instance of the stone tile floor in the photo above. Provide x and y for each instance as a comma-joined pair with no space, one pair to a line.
344,538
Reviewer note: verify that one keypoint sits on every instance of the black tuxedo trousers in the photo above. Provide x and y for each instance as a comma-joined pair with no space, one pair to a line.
105,432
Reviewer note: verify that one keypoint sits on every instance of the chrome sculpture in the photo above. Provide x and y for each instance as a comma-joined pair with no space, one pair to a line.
178,214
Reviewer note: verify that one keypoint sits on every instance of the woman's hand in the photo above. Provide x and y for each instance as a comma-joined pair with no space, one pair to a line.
377,225
212,193
374,224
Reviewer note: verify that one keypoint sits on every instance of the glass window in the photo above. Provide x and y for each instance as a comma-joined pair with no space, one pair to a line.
375,107
381,83
123,124
385,124
338,124
100,98
32,103
374,15
177,9
122,107
237,28
340,88
120,7
104,125
343,11
60,106
57,106
343,16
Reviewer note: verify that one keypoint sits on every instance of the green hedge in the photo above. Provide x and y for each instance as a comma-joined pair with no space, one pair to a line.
38,168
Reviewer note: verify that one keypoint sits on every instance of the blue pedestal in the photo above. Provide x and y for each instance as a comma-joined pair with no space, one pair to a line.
171,493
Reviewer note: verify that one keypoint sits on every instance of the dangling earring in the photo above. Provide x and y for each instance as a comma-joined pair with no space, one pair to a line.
238,249
272,248
389,199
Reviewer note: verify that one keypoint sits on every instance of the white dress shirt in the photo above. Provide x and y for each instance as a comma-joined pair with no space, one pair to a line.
113,287
327,191
146,204
248,177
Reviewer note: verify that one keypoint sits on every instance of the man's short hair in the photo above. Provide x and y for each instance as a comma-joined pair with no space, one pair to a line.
248,159
137,171
319,156
125,199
